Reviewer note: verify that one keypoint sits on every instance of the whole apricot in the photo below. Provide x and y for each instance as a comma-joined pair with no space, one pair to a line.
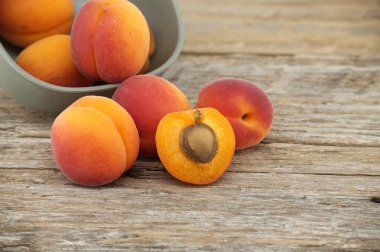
50,60
110,40
195,146
148,99
94,141
23,22
246,106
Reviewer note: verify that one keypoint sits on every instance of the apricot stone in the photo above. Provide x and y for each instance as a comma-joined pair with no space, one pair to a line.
94,141
23,22
110,40
246,106
50,60
148,99
199,142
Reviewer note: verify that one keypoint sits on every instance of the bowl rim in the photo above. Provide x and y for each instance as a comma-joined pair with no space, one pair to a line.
110,86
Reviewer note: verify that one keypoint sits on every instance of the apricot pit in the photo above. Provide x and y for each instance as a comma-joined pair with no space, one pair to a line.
199,143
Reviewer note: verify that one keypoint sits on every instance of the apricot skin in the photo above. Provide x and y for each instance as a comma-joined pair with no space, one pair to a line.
23,22
246,106
175,159
50,60
145,67
148,99
122,120
91,142
110,40
152,44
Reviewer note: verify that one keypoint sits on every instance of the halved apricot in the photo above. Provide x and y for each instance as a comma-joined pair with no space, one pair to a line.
195,146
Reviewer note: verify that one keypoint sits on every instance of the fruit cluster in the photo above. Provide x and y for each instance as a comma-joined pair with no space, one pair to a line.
110,40
96,139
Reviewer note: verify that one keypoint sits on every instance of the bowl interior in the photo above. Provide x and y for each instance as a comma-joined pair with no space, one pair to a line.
165,21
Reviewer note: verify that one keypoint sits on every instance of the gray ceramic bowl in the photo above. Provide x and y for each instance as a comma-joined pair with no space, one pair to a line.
166,23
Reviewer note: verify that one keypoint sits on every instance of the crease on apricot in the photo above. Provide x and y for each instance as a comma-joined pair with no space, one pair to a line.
110,118
104,8
93,42
131,153
79,159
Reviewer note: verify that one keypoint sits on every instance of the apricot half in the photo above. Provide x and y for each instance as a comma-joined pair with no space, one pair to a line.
195,146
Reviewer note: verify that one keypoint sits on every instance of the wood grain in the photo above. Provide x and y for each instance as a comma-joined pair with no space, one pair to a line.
312,185
147,210
325,27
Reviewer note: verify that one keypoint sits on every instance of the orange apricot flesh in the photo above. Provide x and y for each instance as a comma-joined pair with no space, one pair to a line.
195,146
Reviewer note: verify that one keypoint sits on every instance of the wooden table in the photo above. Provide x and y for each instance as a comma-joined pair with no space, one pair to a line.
312,184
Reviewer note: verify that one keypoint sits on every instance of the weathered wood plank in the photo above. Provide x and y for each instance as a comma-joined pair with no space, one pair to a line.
32,153
308,186
147,210
283,27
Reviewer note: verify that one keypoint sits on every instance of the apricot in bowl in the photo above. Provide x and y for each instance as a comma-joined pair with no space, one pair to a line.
23,22
50,60
110,40
195,146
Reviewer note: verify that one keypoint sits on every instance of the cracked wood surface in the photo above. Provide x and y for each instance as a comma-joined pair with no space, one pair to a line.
312,184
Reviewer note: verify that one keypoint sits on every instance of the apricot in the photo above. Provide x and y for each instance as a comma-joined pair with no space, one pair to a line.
145,68
110,40
195,146
152,44
50,60
94,141
246,106
148,99
23,22
152,48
